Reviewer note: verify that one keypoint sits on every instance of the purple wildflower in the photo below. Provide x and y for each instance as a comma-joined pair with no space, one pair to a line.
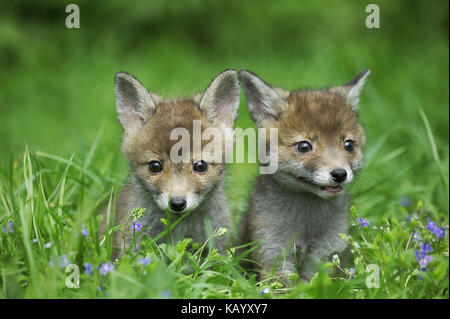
431,225
63,261
426,248
424,262
405,201
166,294
105,268
439,232
136,226
9,228
422,256
35,240
84,231
352,272
265,291
88,269
144,261
48,245
416,237
419,254
363,222
51,263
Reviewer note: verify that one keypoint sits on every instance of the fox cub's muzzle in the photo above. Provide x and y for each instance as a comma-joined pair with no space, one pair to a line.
339,175
177,204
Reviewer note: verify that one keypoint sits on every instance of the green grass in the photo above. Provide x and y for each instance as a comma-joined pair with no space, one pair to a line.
57,97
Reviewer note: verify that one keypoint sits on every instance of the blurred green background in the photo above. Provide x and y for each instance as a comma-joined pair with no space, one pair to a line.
56,84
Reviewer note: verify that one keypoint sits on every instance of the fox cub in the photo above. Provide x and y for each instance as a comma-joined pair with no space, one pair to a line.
157,182
298,213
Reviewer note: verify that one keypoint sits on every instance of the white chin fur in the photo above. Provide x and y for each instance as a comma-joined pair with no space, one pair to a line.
314,188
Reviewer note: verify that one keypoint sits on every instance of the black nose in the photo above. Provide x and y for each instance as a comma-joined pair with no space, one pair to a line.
339,175
177,204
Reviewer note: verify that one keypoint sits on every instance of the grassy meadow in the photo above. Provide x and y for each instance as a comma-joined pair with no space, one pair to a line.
60,157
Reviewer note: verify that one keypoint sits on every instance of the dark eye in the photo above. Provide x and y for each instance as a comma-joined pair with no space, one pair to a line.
155,167
303,147
348,145
200,166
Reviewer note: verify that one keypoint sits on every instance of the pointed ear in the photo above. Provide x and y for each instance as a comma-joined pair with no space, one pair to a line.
220,101
352,90
264,102
134,104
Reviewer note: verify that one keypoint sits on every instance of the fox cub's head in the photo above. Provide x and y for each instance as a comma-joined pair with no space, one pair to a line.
148,121
320,140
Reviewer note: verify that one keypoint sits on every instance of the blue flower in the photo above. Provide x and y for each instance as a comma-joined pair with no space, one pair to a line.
144,261
419,254
84,231
412,216
63,261
431,225
166,294
426,248
405,201
424,261
439,232
105,268
352,272
265,291
51,263
88,269
48,245
422,256
416,237
136,226
363,222
9,228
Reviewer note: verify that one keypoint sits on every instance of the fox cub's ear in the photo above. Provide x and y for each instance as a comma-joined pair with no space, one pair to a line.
264,102
352,89
134,104
220,101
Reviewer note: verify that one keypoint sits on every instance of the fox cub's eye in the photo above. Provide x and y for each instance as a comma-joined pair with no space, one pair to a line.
348,145
155,167
303,147
200,166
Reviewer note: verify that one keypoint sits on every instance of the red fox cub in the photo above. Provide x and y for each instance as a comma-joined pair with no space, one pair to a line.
298,213
157,182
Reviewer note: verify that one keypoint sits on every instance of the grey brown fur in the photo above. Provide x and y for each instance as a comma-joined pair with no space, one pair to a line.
148,121
300,210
